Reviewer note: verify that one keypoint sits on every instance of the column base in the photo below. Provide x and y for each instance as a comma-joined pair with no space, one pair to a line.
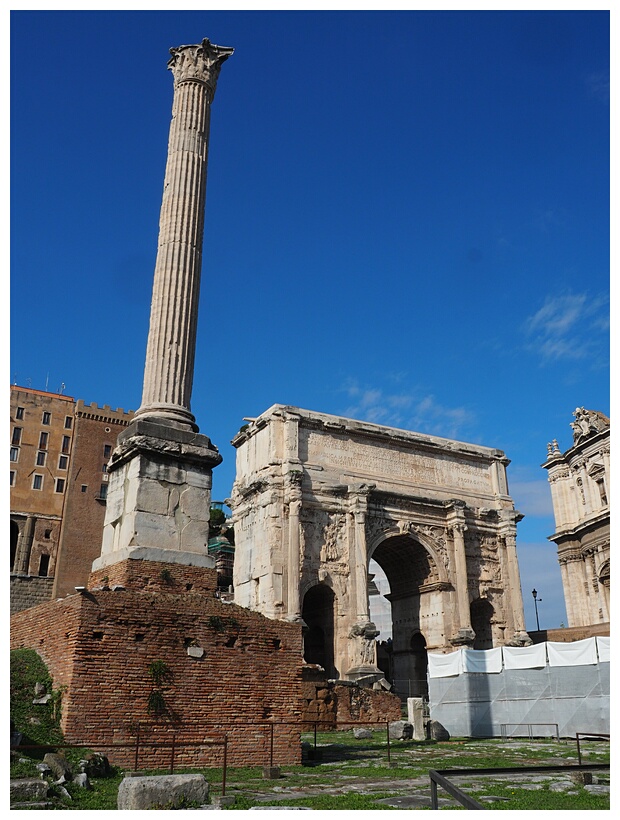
464,637
159,492
364,675
520,639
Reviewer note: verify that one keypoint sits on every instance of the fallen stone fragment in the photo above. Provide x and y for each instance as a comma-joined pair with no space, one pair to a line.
161,791
27,789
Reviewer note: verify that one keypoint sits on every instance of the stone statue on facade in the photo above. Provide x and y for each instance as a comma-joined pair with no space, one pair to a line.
587,423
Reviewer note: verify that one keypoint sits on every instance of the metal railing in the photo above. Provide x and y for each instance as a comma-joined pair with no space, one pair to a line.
504,729
590,735
439,777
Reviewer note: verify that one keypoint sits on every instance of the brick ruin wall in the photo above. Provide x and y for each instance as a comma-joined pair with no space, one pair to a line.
99,644
343,705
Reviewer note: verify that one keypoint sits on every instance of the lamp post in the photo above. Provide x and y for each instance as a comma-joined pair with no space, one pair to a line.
536,602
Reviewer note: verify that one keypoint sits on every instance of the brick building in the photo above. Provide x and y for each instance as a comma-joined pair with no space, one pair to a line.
59,453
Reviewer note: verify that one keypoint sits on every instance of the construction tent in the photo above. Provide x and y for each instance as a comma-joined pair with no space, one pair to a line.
536,691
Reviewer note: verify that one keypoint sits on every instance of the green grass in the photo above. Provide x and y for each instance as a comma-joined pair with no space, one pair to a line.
39,724
358,773
342,802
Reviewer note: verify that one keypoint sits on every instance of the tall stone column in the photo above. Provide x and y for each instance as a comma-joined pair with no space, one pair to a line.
363,652
169,369
159,494
465,635
293,600
508,535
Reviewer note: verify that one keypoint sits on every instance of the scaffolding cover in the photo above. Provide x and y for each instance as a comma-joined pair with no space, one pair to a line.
524,700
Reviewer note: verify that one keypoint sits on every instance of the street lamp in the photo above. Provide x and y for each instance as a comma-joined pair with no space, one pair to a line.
536,602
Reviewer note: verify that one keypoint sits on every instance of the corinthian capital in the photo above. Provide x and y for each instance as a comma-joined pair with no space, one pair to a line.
201,62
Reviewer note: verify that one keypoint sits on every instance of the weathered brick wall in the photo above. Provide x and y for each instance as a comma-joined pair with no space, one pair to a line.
100,644
339,705
372,705
29,590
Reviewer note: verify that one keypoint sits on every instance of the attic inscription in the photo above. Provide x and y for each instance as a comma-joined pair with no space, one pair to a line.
392,463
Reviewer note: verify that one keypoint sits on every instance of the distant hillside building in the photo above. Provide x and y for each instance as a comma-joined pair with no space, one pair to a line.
579,480
59,453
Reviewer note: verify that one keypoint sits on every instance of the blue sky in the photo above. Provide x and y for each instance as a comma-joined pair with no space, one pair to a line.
407,222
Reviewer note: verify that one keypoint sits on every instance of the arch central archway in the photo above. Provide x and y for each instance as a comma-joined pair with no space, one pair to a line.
418,605
318,614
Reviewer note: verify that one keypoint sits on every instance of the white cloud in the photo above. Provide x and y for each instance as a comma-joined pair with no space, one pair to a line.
406,410
568,326
598,85
532,498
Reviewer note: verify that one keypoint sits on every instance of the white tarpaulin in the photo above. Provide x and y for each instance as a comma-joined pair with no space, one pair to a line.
577,653
602,647
444,666
525,657
482,660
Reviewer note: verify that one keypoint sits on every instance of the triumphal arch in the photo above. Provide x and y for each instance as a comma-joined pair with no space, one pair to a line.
316,497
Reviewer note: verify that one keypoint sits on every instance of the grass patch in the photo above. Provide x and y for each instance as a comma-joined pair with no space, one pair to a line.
38,723
342,802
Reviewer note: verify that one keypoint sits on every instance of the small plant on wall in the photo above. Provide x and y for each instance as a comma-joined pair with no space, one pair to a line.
161,674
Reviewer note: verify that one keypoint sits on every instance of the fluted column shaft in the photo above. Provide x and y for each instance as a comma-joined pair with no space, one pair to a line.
169,368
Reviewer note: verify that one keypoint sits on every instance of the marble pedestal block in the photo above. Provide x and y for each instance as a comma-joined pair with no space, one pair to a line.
159,495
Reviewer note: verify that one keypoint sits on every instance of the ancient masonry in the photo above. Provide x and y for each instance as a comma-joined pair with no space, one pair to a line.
160,473
317,496
579,480
151,598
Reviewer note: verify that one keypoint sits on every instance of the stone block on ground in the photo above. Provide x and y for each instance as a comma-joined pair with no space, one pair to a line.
27,789
162,791
438,731
401,730
362,734
59,766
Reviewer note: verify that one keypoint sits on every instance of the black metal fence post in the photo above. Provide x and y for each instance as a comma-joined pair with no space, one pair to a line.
224,765
271,747
387,726
172,756
137,748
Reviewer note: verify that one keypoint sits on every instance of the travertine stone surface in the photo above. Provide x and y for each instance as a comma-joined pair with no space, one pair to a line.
159,492
169,369
579,481
317,496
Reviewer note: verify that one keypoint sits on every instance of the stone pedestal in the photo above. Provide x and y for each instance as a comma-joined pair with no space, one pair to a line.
415,716
159,492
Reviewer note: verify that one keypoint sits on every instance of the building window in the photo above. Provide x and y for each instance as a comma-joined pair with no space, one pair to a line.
107,450
19,413
46,417
103,492
84,487
60,485
66,443
44,565
12,478
62,462
14,453
68,422
37,482
602,492
41,458
47,534
43,441
17,435
104,469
